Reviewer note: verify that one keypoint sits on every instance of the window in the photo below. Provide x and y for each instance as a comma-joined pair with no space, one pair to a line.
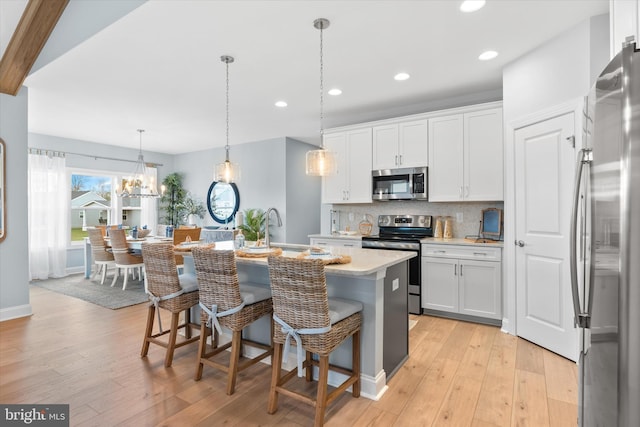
91,196
94,202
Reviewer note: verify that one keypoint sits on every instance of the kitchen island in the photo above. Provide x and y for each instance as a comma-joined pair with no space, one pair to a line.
376,278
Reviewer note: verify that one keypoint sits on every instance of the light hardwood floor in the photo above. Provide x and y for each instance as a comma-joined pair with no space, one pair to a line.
458,373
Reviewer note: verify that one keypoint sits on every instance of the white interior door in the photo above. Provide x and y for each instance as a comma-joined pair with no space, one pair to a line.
545,164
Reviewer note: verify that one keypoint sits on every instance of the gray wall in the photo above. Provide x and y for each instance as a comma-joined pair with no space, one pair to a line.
558,72
14,252
272,175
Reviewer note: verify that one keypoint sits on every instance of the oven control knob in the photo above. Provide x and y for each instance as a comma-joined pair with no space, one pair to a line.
384,221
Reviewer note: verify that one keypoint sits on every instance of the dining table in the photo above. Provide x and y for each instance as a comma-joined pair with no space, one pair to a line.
135,244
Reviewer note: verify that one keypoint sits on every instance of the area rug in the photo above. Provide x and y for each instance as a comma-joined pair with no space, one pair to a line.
77,286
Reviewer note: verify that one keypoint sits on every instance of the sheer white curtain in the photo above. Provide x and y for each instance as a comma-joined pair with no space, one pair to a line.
149,205
49,195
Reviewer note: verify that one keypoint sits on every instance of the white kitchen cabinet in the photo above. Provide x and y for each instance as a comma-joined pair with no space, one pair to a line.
352,183
462,279
466,157
341,243
401,145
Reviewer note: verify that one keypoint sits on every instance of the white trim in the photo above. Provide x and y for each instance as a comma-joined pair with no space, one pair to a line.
15,312
508,261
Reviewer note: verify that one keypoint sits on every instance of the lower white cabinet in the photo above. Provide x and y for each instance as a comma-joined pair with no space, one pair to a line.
465,280
342,243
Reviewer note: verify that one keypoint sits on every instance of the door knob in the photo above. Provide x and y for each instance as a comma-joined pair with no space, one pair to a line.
519,243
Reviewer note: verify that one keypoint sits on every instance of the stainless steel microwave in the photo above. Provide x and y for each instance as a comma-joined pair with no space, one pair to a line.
400,184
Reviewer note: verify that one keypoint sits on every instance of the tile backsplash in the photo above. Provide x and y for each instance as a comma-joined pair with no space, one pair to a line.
351,215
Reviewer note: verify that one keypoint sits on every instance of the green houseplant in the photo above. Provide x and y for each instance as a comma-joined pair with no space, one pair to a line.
254,223
173,198
192,206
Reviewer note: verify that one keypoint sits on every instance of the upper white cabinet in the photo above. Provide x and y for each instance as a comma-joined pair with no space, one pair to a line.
401,145
352,183
466,157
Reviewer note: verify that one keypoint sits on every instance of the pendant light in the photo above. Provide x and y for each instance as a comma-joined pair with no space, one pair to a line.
226,171
321,162
140,184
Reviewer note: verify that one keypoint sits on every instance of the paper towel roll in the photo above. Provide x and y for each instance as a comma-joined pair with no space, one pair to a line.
239,219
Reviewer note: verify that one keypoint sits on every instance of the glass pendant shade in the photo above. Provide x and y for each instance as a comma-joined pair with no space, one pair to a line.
140,184
227,172
321,162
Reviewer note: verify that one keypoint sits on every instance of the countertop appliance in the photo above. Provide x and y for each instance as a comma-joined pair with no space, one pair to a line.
400,184
403,233
605,252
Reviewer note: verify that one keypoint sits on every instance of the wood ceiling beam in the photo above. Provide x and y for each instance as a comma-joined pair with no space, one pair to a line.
36,24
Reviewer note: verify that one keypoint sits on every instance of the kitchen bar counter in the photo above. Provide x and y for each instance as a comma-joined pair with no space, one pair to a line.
370,276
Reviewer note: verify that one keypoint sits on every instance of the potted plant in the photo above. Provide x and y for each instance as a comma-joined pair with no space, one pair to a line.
173,198
253,224
191,208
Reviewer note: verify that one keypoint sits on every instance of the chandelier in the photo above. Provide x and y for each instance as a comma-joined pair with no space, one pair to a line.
140,184
321,162
226,171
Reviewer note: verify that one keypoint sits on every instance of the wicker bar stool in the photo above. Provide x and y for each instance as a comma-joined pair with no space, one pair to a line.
124,258
317,323
226,302
171,292
101,258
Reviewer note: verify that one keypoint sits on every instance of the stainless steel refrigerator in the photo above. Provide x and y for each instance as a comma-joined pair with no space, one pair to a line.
605,249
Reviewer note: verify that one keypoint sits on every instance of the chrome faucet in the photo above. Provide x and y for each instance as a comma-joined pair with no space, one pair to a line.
267,238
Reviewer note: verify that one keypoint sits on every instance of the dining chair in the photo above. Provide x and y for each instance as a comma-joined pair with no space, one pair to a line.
124,259
225,302
303,313
101,258
180,235
169,291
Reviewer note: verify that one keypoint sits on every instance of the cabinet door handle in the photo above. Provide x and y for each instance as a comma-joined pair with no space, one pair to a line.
348,245
460,192
400,157
396,160
466,191
461,271
455,269
479,254
439,252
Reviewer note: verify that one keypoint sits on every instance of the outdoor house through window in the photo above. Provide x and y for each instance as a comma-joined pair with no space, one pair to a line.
94,202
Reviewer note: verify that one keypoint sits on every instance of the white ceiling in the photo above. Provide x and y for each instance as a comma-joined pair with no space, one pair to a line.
158,68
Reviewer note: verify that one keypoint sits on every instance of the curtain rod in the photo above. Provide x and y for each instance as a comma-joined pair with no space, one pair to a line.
92,156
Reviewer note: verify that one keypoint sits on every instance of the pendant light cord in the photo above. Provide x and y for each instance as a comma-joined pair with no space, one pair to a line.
321,89
226,147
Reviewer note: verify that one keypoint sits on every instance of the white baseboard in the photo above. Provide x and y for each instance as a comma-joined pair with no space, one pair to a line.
15,312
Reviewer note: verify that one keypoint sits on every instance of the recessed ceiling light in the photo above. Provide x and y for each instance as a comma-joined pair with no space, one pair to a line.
335,91
472,5
485,56
281,104
401,76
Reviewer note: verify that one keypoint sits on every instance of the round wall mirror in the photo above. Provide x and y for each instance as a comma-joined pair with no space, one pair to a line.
223,201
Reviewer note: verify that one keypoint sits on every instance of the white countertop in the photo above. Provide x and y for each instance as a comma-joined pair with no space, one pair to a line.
462,242
363,261
431,240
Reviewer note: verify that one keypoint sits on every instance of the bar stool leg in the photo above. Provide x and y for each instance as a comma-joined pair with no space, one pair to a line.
276,368
173,335
202,348
355,363
321,398
236,347
149,330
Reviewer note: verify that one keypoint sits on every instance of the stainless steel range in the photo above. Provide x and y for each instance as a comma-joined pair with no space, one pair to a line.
403,233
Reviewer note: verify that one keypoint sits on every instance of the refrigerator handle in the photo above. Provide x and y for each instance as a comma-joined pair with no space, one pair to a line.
582,319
